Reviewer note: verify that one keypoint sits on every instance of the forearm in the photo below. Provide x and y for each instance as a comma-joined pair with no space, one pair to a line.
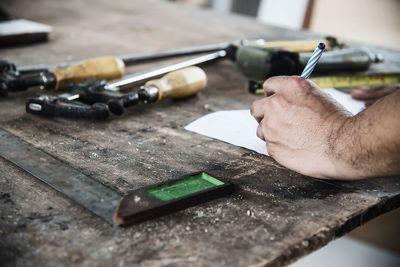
368,144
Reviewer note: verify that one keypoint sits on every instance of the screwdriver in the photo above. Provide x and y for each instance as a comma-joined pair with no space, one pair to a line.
103,68
177,84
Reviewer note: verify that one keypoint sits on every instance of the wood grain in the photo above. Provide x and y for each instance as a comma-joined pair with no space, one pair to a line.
277,215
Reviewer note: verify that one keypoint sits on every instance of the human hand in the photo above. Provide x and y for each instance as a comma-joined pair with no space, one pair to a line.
300,125
371,95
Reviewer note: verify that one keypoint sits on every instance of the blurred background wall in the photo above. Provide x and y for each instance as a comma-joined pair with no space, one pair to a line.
371,21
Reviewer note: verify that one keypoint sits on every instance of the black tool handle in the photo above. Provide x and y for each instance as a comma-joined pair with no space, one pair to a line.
50,106
117,106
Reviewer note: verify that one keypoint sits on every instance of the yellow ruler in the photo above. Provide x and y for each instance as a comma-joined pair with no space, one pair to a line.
343,81
351,81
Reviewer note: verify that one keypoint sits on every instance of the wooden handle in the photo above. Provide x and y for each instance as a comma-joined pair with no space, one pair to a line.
102,68
294,46
181,83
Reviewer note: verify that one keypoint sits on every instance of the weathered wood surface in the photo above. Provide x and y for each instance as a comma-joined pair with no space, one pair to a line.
277,215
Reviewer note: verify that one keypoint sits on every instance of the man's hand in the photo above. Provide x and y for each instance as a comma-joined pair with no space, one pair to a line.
371,95
299,124
309,132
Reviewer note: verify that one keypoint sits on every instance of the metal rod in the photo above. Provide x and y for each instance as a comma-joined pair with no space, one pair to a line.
131,59
140,77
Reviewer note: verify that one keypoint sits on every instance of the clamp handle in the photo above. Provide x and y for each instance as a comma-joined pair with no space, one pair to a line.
51,106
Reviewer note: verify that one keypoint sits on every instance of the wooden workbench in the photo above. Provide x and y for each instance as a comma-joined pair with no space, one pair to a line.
276,216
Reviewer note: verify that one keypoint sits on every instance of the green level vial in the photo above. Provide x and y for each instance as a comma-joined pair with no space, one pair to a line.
157,200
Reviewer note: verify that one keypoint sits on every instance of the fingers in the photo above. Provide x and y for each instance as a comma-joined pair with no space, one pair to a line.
373,94
257,109
288,86
275,84
260,133
367,93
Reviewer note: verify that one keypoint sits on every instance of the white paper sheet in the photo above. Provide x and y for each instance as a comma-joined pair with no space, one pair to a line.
238,127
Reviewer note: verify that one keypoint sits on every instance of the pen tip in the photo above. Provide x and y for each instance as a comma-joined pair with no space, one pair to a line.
321,46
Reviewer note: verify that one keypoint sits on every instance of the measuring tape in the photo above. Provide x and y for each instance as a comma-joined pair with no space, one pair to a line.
342,81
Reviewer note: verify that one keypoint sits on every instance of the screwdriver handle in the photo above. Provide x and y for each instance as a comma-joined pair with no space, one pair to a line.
179,84
101,68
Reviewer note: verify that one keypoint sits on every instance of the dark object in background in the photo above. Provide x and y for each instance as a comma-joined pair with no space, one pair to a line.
21,31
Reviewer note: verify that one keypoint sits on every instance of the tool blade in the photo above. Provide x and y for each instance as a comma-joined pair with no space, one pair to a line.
91,194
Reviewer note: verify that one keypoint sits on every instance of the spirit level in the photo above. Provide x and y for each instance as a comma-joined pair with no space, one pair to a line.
161,199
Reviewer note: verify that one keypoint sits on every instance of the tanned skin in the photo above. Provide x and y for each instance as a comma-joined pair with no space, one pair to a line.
371,95
308,131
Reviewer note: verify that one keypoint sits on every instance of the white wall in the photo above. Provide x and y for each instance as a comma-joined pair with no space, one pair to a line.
284,13
371,21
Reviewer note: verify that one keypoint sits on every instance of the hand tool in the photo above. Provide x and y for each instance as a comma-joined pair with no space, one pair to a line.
60,75
93,91
102,68
251,60
134,79
161,199
57,76
342,81
259,63
107,68
177,84
184,83
138,205
91,105
131,59
51,106
84,190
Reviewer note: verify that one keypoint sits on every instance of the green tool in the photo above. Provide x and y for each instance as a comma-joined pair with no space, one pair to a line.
164,198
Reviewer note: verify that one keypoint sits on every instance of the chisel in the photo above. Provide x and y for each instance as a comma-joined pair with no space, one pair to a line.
177,84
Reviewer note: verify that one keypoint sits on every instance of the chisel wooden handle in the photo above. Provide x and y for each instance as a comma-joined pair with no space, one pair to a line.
179,84
102,68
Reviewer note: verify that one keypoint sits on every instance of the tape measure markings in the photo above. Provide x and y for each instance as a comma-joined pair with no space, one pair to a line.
342,81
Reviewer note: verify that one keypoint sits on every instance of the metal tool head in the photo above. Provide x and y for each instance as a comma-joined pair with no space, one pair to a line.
12,81
258,63
93,91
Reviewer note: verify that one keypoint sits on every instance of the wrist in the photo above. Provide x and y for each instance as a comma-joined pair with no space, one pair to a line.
343,150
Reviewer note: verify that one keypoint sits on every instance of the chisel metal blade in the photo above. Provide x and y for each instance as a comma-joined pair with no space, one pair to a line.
89,193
